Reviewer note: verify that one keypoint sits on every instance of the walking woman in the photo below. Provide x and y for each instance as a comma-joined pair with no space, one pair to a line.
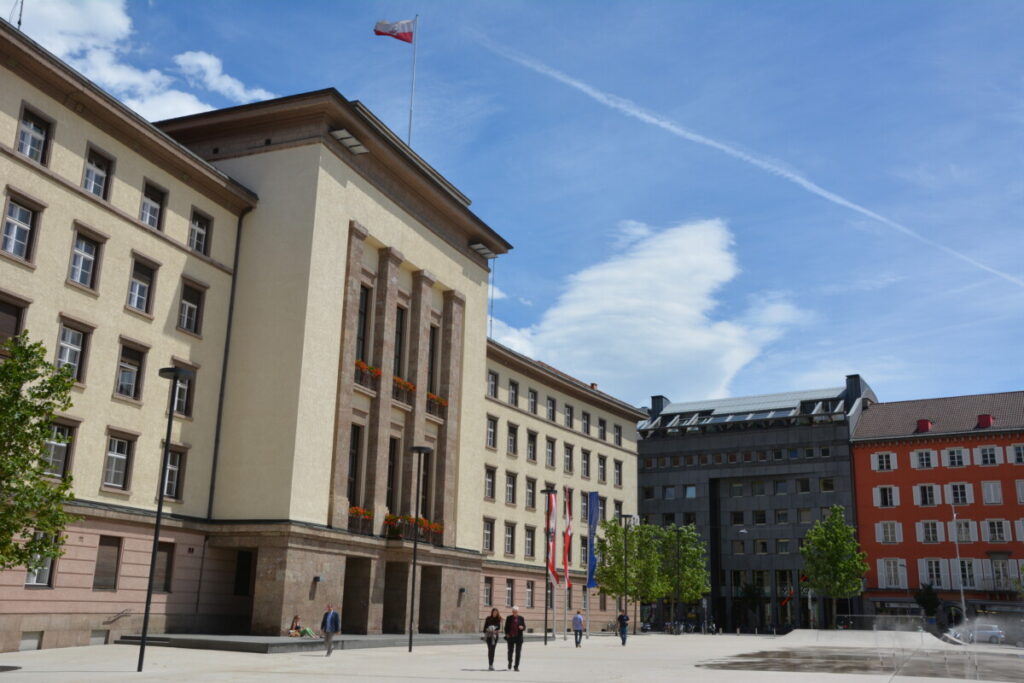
492,627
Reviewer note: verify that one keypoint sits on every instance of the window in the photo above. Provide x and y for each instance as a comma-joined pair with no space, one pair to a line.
510,487
602,508
996,533
584,506
929,532
510,538
492,432
803,515
808,452
964,531
648,492
987,456
758,488
1018,455
19,230
883,462
108,554
584,557
760,517
513,393
617,434
602,429
190,309
568,458
509,592
531,446
42,575
585,464
183,393
782,516
891,573
549,453
690,491
777,454
34,137
399,360
152,210
488,591
11,314
531,493
828,484
958,494
173,475
84,255
97,174
531,401
141,285
617,473
955,457
529,594
803,485
489,475
529,541
57,450
992,492
933,572
513,440
736,489
761,547
668,492
355,441
129,372
602,468
1020,496
781,487
244,575
825,451
585,422
199,233
363,323
489,535
967,573
782,546
924,460
888,532
71,350
569,416
116,469
492,384
552,407
164,565
885,496
737,548
737,517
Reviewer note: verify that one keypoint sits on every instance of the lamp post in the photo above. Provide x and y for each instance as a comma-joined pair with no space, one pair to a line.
547,554
956,542
420,451
176,375
626,521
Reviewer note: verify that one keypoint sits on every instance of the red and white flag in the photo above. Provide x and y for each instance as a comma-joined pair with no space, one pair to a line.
549,529
403,30
567,538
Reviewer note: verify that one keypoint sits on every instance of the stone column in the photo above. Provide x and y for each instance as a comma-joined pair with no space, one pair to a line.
447,450
419,349
269,587
378,428
338,505
375,616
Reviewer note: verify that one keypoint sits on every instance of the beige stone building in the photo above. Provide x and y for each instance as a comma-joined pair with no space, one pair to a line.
328,288
544,430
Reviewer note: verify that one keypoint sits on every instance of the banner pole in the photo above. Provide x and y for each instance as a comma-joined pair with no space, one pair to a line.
412,90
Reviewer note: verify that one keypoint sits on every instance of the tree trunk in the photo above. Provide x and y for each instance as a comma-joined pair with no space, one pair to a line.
835,601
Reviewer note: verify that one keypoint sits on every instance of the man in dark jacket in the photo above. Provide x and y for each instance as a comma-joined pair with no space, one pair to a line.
515,627
329,625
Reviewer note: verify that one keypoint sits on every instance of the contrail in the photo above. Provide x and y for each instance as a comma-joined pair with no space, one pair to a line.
630,108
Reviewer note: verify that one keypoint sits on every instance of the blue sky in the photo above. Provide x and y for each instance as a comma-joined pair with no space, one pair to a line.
706,198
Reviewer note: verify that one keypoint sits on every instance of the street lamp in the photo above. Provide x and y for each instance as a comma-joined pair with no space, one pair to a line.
626,521
548,492
420,451
176,375
956,542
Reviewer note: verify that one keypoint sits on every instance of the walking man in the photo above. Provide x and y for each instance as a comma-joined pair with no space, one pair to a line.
577,627
623,620
515,626
329,625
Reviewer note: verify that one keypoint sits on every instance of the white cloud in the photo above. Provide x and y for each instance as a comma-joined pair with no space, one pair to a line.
642,320
94,37
208,71
628,232
497,294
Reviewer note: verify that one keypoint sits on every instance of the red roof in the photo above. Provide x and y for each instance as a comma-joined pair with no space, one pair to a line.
952,415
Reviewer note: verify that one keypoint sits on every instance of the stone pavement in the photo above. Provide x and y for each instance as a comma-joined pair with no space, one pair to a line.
646,658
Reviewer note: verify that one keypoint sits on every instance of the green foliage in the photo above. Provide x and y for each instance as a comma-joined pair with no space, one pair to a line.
928,599
833,561
684,558
31,503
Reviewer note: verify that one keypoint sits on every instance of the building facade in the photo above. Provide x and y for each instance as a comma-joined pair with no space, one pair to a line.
940,500
752,474
545,430
329,290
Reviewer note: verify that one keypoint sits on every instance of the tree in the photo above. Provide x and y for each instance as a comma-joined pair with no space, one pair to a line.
639,561
684,560
927,599
32,516
833,561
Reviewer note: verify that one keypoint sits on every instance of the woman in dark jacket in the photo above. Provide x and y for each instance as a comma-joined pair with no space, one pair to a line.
515,626
492,627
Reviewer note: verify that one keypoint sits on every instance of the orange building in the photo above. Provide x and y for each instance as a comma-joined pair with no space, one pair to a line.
939,490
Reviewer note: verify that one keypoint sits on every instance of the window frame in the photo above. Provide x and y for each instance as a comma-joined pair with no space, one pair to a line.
81,366
35,210
128,457
190,391
144,203
154,268
179,481
97,239
49,125
206,232
140,372
90,151
68,447
200,308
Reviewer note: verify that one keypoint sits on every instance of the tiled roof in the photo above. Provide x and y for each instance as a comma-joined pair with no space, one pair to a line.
748,404
953,415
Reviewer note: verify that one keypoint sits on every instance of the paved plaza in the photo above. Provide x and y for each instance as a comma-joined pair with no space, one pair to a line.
848,657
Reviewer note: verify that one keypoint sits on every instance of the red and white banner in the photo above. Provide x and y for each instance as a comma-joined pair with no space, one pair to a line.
567,538
403,30
549,529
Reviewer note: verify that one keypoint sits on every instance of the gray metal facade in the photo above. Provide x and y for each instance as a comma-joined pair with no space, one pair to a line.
752,475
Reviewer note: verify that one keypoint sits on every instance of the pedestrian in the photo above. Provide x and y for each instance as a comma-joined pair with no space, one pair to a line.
623,620
515,626
577,627
492,627
329,625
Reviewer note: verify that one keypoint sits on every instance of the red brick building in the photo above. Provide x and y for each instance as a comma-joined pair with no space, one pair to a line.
920,465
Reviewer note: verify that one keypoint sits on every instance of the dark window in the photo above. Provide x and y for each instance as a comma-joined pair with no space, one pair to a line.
190,310
140,287
152,212
85,254
108,554
97,174
243,573
10,321
164,566
362,326
354,446
393,449
399,369
602,429
173,477
183,393
199,233
34,137
129,372
432,359
617,434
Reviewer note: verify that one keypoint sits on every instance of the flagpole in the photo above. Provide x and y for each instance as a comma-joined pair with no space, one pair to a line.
412,90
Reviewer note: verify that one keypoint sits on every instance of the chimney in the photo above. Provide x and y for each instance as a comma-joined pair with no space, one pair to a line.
658,404
985,421
924,425
593,385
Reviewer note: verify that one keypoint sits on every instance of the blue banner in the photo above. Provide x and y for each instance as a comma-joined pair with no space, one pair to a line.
592,514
